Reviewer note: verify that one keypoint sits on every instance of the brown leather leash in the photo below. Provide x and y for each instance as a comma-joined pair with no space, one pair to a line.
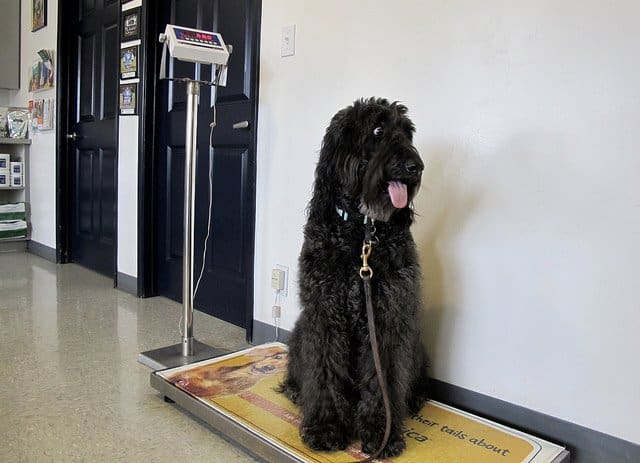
366,273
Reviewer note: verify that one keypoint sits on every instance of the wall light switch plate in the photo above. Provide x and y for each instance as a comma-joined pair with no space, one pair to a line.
288,44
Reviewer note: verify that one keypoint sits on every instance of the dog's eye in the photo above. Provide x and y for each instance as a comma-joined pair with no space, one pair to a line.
378,131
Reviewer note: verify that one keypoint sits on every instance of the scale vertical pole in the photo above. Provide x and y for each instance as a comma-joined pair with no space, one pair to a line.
193,95
189,350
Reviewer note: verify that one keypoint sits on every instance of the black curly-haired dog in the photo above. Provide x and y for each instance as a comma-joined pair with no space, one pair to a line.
368,168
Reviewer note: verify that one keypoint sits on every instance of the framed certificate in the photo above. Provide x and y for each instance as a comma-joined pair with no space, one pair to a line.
129,62
128,99
130,25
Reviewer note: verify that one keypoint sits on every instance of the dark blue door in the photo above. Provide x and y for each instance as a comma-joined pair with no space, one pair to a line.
226,289
93,95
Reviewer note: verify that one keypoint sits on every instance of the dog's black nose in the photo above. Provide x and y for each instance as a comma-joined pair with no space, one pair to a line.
413,167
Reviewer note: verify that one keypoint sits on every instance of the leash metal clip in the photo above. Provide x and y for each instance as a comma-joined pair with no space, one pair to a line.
365,270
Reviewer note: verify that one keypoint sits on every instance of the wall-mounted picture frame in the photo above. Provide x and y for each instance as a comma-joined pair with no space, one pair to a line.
128,99
130,25
38,14
43,73
129,62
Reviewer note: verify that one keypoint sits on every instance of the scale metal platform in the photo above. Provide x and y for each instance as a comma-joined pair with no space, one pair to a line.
235,394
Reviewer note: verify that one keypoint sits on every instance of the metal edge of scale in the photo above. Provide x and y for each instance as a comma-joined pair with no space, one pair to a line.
253,443
172,356
564,457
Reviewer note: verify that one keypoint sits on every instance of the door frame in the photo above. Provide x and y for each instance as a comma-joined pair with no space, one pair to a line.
63,109
149,61
64,112
147,186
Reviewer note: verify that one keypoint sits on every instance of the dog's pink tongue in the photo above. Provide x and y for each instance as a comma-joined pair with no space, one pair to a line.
398,194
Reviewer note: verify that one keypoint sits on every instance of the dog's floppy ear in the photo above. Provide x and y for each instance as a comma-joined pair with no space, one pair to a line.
339,134
336,144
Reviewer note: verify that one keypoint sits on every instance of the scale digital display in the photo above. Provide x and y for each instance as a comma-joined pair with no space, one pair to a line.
195,46
198,38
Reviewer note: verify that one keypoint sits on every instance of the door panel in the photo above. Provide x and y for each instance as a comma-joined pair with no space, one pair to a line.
110,55
175,216
228,213
234,32
93,93
87,7
86,67
226,290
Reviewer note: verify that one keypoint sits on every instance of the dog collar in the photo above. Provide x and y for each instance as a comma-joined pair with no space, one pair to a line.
344,215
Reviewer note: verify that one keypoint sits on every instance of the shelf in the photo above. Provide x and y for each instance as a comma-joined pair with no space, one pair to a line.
9,240
18,149
43,89
14,244
15,141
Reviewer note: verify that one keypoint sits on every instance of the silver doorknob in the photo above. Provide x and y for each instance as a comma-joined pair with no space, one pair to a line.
241,125
72,136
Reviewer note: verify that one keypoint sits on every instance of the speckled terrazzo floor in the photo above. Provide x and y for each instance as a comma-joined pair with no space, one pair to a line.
71,388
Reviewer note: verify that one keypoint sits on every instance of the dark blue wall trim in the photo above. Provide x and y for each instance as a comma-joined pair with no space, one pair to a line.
262,332
585,445
41,250
128,284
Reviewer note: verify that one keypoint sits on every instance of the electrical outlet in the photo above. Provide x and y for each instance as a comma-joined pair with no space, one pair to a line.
280,279
288,43
277,279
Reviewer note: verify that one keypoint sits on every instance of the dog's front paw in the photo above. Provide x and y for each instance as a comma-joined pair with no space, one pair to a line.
325,437
290,389
395,446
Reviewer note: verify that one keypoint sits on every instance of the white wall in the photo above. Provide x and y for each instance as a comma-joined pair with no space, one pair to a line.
127,261
42,151
529,230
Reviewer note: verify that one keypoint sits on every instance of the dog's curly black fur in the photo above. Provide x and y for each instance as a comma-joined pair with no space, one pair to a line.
331,375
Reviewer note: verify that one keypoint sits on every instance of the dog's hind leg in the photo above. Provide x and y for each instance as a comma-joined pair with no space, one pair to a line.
419,391
320,366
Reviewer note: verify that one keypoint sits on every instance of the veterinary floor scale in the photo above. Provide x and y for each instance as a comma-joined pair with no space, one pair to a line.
235,393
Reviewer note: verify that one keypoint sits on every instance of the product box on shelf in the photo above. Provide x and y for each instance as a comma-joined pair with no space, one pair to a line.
5,161
17,181
5,179
17,167
13,211
13,229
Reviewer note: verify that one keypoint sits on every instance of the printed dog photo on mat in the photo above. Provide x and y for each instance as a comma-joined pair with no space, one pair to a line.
366,178
215,380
